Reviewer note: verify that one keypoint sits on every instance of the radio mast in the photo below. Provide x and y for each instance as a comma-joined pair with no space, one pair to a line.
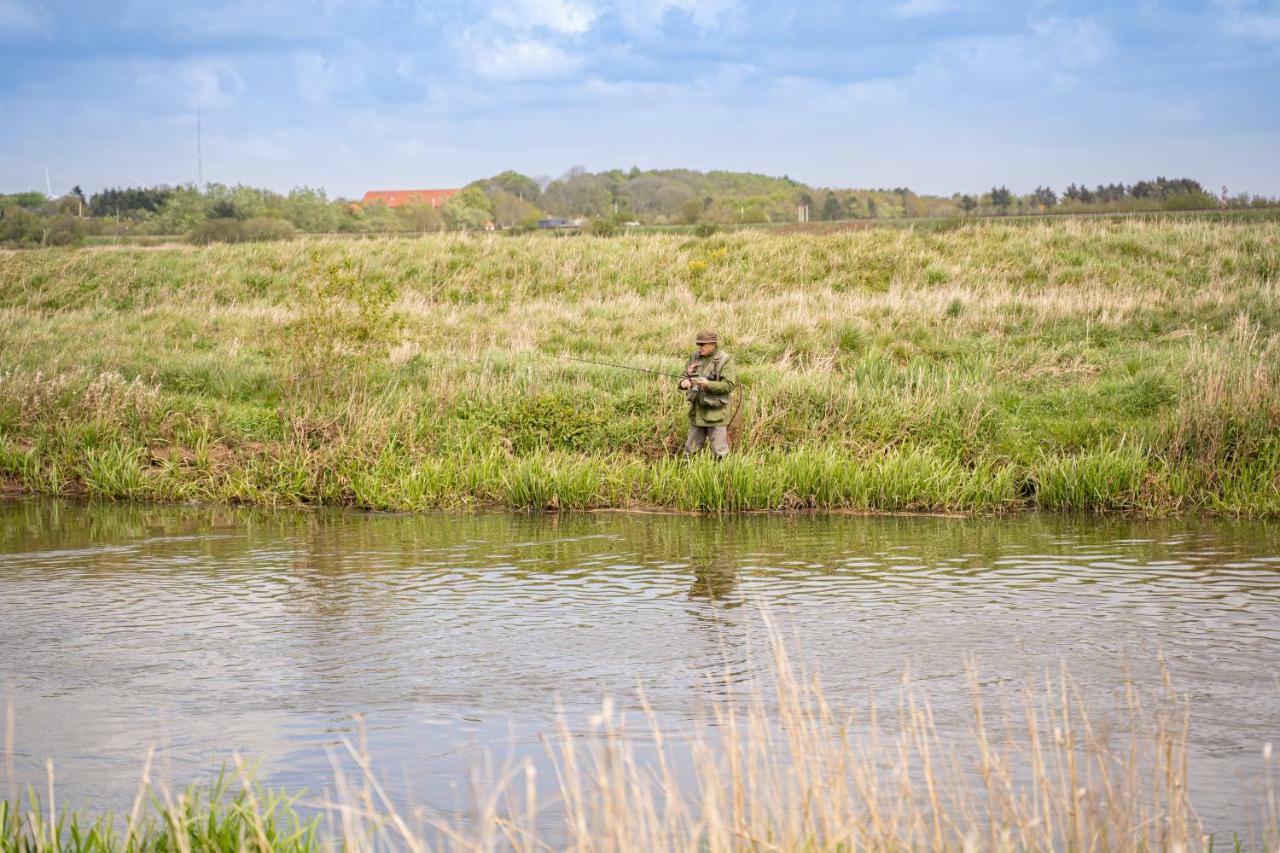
199,153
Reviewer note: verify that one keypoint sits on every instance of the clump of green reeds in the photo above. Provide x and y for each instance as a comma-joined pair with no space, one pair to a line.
201,818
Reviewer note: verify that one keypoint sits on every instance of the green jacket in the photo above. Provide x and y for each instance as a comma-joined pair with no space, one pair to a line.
709,406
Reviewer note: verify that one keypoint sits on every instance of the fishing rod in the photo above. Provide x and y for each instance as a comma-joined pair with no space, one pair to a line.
623,367
741,395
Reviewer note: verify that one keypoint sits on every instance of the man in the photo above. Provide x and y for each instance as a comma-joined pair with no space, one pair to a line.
709,379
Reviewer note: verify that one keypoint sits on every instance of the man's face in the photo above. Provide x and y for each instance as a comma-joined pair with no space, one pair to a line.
706,349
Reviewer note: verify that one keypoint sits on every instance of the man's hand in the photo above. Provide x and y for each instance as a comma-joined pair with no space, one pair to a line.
684,384
699,380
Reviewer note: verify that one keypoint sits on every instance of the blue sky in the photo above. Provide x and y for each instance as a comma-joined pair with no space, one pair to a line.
938,95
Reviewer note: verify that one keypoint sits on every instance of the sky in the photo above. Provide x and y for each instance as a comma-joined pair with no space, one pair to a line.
941,96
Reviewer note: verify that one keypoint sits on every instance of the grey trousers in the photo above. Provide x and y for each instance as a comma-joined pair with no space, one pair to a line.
698,436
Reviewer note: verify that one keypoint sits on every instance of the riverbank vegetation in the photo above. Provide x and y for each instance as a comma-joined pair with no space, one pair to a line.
783,766
659,198
1078,364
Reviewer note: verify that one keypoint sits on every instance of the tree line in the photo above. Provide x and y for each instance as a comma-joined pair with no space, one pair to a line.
510,200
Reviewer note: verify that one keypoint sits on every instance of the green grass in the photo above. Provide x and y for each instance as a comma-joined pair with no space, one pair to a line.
1099,364
207,818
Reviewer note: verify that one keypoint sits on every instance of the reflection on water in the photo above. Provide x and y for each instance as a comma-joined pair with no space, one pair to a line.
206,630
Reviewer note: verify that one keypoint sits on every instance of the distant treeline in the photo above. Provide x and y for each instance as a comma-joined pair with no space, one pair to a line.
511,200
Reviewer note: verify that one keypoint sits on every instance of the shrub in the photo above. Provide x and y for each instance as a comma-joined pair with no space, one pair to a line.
1191,201
66,231
704,229
603,228
256,230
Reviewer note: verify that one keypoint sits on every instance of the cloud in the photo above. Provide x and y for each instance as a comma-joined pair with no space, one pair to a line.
1072,42
1251,20
648,15
567,17
22,19
1052,51
277,20
210,84
1176,111
920,8
318,77
522,58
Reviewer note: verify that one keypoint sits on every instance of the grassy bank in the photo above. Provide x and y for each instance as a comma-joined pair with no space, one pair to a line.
1072,364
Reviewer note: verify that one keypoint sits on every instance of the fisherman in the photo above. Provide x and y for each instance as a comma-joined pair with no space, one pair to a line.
709,379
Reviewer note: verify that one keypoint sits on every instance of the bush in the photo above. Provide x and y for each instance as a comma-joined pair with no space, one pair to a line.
66,231
18,225
704,229
256,230
1191,201
603,228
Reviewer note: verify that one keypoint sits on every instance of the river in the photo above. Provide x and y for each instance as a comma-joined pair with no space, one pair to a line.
204,631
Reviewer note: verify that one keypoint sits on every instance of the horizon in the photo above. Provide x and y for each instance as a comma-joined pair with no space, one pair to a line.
941,96
355,197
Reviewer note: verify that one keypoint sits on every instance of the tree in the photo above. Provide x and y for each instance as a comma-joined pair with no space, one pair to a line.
118,201
468,210
27,200
420,218
1001,198
1044,197
577,193
183,210
831,207
690,210
968,203
521,186
19,225
872,207
510,210
310,210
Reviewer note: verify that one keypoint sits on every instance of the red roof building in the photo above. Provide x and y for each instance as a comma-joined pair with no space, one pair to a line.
399,198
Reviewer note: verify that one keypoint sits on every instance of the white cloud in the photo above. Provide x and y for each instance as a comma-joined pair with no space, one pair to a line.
523,58
647,15
20,18
1250,19
1072,42
282,19
1052,51
567,17
1178,111
318,77
279,146
210,84
920,8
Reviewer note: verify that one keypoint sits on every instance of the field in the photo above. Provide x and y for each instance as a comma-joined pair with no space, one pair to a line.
1074,364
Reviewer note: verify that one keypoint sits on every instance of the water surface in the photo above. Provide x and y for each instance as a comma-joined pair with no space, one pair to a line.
204,631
